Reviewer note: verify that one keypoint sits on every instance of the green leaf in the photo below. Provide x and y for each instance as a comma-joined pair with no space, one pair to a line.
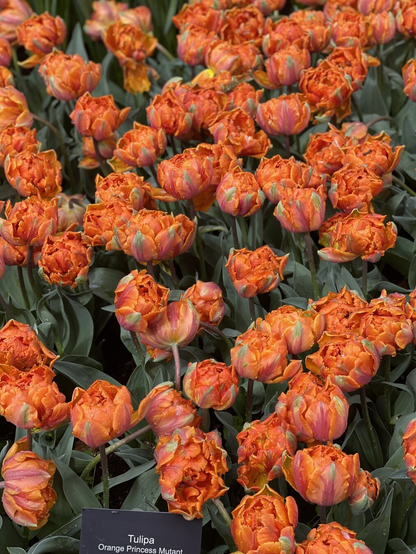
376,533
76,44
15,550
82,371
144,493
302,281
77,492
103,282
223,529
127,476
55,545
70,528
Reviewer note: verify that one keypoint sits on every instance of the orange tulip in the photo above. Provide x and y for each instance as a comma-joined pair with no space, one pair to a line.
325,152
97,117
348,28
323,475
5,52
263,357
331,7
285,67
239,193
40,34
409,76
29,222
141,16
353,187
71,210
204,104
246,97
381,28
255,272
13,108
332,537
315,27
169,113
349,236
211,384
190,464
193,42
105,13
205,17
352,61
176,325
327,90
301,210
365,493
101,221
65,260
127,186
67,77
238,59
409,445
286,115
367,7
21,342
374,153
100,413
166,410
129,44
105,147
34,174
139,147
265,522
6,77
282,33
28,495
300,329
405,20
261,445
349,361
268,6
14,140
240,25
139,300
153,236
12,15
223,159
208,301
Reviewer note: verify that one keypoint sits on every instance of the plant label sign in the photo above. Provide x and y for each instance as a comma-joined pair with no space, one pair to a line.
131,532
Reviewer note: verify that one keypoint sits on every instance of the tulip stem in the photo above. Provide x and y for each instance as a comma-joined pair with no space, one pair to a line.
408,504
322,514
150,270
192,211
105,477
235,234
367,422
5,307
23,287
113,448
176,357
387,390
29,265
287,145
100,159
200,250
61,144
153,172
29,439
357,108
403,185
221,508
252,309
173,145
249,400
205,420
364,279
173,274
382,118
312,267
165,52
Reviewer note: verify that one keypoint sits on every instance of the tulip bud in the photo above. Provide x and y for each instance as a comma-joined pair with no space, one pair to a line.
322,475
13,108
14,140
238,59
382,27
239,194
301,210
28,495
211,384
100,413
193,42
348,28
285,67
34,174
129,44
71,210
314,25
365,492
208,301
246,97
286,115
206,17
278,35
166,410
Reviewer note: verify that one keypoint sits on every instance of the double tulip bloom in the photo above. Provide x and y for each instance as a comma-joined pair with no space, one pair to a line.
129,187
14,140
40,34
285,115
239,194
13,108
208,302
34,174
139,147
409,77
332,537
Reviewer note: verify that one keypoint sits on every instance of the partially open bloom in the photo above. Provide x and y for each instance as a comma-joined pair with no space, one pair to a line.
169,113
285,115
176,325
153,235
375,153
139,300
222,157
28,495
197,14
14,140
323,475
193,42
106,148
348,28
352,61
300,329
165,410
67,77
244,96
34,174
237,129
20,342
301,210
13,108
315,27
71,209
5,52
65,259
103,219
239,193
190,464
29,222
238,59
409,445
129,44
318,409
348,360
13,14
6,77
40,34
139,147
265,522
349,236
208,301
204,104
263,357
261,445
285,67
100,413
332,537
268,6
141,16
409,76
374,6
381,27
105,13
282,33
255,272
327,90
353,187
366,491
30,400
97,117
325,151
211,384
129,187
243,24
405,20
338,308
185,175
